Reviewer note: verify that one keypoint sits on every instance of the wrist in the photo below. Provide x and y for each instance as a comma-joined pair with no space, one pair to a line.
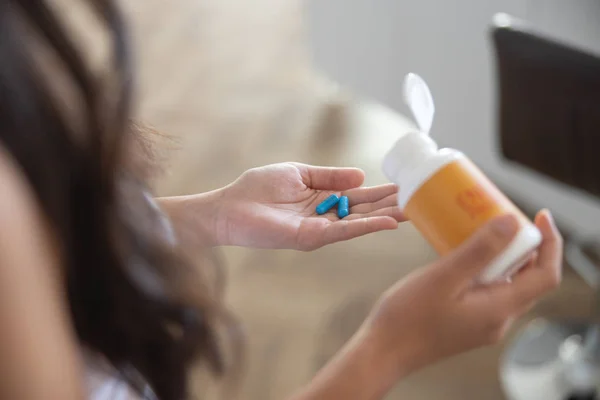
393,361
382,369
195,217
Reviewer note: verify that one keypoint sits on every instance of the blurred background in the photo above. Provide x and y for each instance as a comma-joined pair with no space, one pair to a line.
243,83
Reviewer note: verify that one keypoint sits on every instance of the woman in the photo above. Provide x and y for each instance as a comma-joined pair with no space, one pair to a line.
90,265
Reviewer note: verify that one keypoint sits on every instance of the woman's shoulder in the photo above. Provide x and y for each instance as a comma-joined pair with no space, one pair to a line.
32,297
25,235
16,192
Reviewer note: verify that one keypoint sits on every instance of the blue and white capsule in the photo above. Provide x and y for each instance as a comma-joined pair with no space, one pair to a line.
327,204
343,208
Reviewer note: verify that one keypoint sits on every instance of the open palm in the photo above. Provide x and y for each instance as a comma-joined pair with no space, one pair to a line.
274,207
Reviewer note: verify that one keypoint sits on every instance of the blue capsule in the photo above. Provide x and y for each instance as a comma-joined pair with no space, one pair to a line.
343,209
327,204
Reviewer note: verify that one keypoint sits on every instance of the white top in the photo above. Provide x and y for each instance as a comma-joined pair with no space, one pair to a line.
105,383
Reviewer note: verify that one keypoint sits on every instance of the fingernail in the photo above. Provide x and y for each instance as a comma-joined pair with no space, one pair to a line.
507,225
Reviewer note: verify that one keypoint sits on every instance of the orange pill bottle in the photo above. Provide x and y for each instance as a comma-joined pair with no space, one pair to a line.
448,198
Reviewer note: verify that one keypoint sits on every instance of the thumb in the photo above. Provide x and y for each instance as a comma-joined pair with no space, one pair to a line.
472,257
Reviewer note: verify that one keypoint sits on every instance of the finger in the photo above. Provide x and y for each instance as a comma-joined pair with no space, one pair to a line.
469,260
393,212
364,208
541,277
370,194
327,178
550,253
349,229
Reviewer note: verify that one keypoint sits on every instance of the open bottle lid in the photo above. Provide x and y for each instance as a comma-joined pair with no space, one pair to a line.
418,98
411,148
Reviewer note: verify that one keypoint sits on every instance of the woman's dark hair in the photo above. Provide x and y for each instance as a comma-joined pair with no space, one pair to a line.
133,296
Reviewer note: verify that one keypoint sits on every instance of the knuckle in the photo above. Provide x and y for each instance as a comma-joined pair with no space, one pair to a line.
553,280
496,336
496,237
497,330
501,318
308,243
548,282
309,247
490,244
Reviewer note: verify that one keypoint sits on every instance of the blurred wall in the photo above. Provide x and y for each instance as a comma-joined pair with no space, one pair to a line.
369,45
229,81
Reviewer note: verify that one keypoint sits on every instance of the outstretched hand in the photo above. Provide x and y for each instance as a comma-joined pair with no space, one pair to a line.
274,207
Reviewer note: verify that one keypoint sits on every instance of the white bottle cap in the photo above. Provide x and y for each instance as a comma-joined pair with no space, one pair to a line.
406,155
412,161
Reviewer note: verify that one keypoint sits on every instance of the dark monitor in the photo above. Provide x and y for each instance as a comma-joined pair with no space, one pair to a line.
549,105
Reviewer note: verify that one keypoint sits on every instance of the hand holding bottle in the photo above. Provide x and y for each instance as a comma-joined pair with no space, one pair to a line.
438,311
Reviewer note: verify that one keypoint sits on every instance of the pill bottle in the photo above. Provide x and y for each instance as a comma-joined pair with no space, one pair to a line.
446,196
